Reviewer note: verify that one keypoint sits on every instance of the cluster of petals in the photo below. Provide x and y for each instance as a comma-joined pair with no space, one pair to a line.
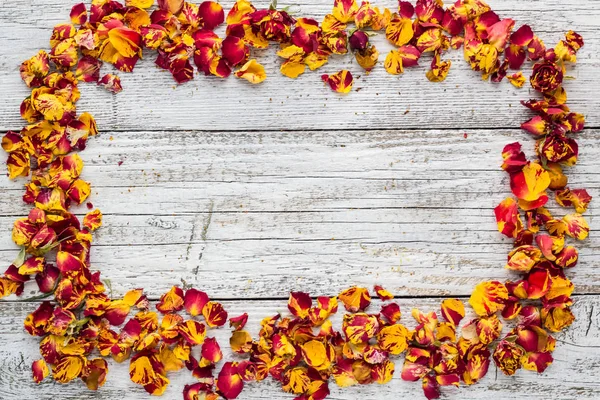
81,324
540,296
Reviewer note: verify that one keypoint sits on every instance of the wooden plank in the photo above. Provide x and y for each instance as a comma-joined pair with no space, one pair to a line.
151,100
271,268
306,209
391,162
577,363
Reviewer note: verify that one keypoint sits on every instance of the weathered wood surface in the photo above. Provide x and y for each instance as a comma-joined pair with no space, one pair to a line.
322,210
572,376
355,191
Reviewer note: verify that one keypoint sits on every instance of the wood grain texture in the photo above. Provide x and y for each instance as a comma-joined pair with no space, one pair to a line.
249,192
573,375
257,215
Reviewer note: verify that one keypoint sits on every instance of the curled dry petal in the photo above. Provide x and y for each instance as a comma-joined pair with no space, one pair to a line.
94,373
238,322
391,311
172,301
577,198
439,69
240,342
299,304
382,293
340,82
111,82
252,71
508,218
355,298
40,370
517,79
93,220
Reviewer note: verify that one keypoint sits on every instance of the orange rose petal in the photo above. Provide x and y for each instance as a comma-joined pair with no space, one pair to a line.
252,71
172,301
240,342
355,298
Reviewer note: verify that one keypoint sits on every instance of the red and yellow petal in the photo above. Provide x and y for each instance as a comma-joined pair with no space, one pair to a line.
523,258
317,354
355,298
193,332
576,226
530,183
392,312
382,293
172,6
383,372
299,304
40,370
234,50
488,297
439,69
194,301
344,10
453,311
172,301
214,314
94,373
508,218
340,82
537,126
577,198
229,381
360,328
68,368
394,338
238,322
211,14
93,220
399,31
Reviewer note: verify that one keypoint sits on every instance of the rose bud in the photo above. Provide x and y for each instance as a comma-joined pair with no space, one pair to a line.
359,41
546,76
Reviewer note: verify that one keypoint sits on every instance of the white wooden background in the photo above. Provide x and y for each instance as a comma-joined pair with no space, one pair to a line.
249,192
